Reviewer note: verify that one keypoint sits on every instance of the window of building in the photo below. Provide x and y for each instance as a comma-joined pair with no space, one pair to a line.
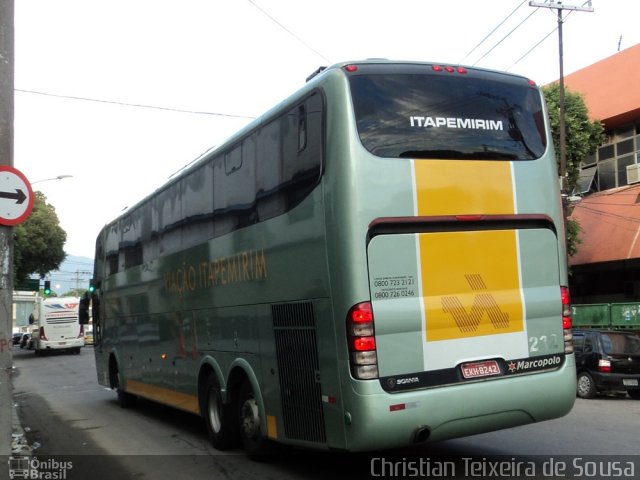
607,168
623,163
607,174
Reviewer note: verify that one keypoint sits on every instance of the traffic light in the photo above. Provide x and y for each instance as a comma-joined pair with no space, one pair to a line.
47,287
92,286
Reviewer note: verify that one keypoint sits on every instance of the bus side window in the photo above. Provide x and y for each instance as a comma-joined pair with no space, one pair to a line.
302,128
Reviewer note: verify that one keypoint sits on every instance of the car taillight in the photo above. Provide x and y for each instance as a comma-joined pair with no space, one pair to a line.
362,342
566,319
42,335
604,366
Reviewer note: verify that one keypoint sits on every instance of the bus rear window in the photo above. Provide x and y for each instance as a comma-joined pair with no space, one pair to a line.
484,116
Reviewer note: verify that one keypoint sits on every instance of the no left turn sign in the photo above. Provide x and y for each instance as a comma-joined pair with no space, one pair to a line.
16,196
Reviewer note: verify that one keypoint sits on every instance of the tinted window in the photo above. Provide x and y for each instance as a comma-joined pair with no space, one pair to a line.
440,116
266,174
578,342
620,343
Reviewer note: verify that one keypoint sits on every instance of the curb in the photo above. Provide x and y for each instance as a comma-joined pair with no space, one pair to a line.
19,445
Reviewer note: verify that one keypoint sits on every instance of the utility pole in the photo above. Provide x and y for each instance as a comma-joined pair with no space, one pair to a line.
6,232
78,277
563,145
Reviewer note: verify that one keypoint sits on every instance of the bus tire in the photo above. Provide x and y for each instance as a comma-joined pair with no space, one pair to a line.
125,400
218,416
255,443
586,386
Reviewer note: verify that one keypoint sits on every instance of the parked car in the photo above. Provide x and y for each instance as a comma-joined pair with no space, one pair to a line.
17,337
607,360
25,340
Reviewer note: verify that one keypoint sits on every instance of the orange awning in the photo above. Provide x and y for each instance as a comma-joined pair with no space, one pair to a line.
610,223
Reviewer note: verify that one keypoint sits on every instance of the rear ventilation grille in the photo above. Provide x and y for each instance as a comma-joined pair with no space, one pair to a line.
299,371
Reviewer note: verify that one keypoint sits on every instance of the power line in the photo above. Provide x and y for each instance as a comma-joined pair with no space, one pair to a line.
493,31
135,105
543,38
532,49
507,35
264,12
609,214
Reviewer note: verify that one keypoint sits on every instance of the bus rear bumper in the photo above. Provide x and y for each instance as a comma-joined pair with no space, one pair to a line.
66,345
460,410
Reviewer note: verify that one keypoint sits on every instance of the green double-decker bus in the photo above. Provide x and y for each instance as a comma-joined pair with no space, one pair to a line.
378,261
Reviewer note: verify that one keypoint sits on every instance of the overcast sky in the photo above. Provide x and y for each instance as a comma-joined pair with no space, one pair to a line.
210,65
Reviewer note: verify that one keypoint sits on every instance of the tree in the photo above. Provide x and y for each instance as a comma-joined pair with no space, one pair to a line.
38,242
582,138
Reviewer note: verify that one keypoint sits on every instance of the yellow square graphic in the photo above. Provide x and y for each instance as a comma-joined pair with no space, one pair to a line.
470,284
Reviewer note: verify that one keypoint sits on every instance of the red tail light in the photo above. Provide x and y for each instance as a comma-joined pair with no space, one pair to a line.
566,319
363,357
361,313
364,344
42,335
604,366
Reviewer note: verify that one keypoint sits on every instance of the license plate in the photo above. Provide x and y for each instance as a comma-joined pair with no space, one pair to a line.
630,382
62,343
486,368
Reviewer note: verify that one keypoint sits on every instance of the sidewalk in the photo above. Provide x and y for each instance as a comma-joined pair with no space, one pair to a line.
12,439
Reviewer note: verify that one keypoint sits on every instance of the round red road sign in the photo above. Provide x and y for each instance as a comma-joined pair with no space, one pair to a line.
16,196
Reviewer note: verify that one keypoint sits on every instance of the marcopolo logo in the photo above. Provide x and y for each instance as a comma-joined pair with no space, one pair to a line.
530,364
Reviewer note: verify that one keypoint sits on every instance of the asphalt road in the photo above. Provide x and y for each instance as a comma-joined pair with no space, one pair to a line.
68,417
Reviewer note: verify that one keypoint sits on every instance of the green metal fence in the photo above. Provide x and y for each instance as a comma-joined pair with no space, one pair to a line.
607,315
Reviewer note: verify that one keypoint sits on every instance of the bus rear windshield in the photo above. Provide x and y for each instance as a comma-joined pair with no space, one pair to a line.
485,117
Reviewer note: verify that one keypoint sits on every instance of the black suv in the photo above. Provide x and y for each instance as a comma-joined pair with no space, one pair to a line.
607,360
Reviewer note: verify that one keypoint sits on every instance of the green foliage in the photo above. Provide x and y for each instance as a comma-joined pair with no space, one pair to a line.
38,242
573,236
582,138
75,292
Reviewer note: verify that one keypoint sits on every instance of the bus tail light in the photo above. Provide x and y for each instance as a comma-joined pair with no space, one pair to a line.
42,335
566,319
363,357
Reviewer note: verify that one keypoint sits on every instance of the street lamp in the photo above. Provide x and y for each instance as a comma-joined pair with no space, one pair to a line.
59,177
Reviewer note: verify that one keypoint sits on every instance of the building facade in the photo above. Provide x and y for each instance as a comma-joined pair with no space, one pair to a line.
607,265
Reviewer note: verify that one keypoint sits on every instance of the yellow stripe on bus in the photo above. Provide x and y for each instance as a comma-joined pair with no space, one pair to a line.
447,187
470,280
165,396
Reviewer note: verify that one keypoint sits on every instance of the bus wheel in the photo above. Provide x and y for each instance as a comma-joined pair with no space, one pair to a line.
218,417
125,400
253,440
586,386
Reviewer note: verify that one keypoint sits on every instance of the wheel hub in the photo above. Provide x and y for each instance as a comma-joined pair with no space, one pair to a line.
250,418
